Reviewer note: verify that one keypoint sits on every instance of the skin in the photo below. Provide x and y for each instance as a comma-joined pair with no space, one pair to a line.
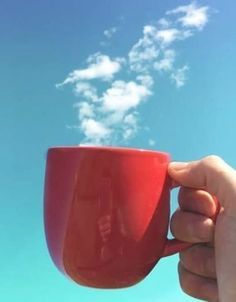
207,270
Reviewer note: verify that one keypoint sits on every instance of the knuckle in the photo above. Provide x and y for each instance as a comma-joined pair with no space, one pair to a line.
211,161
184,280
200,260
214,169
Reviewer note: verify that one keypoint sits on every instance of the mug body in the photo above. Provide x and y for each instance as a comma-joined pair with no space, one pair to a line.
106,213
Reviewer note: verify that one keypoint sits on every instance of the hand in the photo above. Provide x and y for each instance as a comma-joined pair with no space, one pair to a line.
207,270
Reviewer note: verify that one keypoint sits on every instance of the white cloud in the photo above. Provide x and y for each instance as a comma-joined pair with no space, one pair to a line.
110,32
130,126
123,96
166,63
149,30
168,35
112,118
146,80
86,90
179,76
193,15
95,131
107,106
144,51
86,110
100,67
130,119
151,142
148,52
164,23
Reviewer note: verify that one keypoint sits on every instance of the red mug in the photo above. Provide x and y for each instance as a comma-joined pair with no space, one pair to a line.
106,212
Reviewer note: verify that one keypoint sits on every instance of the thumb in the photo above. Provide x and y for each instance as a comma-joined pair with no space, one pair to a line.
211,174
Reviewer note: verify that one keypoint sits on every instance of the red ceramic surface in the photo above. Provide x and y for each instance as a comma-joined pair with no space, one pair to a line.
106,213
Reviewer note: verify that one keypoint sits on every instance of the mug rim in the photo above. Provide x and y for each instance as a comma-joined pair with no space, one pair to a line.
107,148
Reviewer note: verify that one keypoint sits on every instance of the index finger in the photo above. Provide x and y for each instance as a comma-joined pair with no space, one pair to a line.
211,174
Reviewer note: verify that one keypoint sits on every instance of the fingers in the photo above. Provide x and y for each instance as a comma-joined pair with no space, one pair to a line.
200,260
197,286
192,227
197,201
191,222
210,173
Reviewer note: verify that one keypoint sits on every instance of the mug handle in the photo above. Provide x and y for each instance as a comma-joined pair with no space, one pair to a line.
174,246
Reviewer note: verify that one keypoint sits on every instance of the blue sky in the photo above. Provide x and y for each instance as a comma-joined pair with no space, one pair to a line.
51,59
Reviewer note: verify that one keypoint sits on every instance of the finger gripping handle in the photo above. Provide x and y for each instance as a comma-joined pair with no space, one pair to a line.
174,246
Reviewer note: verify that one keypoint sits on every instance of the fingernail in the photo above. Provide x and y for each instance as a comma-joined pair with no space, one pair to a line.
178,165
